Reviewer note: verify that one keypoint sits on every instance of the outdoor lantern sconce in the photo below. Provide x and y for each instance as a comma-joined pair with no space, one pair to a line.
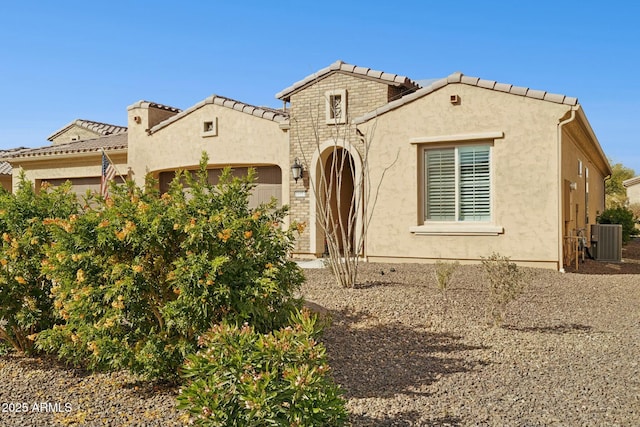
296,169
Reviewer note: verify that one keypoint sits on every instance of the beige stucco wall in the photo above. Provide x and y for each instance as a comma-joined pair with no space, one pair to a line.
82,165
633,193
525,196
575,152
242,140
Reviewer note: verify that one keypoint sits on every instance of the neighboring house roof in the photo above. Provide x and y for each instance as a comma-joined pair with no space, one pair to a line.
278,116
341,67
97,127
5,167
631,181
472,81
118,141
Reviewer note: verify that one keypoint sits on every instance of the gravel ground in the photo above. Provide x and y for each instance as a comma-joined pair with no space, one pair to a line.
568,354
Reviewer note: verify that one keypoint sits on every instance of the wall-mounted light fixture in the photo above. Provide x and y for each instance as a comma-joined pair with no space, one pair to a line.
296,170
573,186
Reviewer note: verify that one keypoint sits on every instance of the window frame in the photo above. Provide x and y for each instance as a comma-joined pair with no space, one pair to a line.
330,118
455,227
457,202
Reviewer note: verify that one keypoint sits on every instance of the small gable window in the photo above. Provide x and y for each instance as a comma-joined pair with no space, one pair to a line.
336,107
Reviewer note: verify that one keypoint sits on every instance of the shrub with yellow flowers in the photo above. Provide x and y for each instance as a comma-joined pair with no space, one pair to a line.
241,378
141,275
25,305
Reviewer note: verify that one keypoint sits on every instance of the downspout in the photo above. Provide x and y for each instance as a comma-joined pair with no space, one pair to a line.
561,190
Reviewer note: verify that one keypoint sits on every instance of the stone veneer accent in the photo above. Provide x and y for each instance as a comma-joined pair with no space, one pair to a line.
309,130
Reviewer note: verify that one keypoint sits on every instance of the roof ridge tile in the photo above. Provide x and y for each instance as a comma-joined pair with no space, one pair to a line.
460,78
340,66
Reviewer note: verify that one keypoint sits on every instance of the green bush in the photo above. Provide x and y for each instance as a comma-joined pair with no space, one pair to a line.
25,306
505,281
620,215
141,275
243,378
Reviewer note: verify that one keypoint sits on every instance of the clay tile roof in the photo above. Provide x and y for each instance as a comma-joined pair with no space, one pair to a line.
341,67
266,113
148,104
631,181
110,142
472,81
97,127
5,167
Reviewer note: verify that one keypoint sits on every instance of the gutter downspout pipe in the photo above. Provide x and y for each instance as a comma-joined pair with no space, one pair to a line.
561,191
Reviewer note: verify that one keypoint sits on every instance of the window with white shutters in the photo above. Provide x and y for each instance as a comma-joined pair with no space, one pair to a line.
458,184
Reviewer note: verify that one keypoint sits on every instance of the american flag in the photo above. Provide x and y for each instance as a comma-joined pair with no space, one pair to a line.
108,173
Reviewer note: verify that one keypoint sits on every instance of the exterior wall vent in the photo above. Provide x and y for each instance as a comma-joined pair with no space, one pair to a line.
606,242
454,99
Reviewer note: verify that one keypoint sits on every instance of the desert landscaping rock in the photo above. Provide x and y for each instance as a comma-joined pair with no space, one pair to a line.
568,354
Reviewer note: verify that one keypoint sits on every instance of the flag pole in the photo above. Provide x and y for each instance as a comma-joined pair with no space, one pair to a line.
114,165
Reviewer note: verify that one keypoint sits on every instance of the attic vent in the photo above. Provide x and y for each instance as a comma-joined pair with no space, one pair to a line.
454,99
210,128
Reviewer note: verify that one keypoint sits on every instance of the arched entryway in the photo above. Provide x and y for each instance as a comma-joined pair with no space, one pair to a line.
337,194
337,199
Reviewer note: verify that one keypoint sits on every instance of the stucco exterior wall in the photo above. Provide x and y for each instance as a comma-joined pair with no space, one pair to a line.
633,193
241,140
579,169
309,130
524,168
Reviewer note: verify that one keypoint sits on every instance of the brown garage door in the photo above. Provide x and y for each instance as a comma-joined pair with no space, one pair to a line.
268,182
80,186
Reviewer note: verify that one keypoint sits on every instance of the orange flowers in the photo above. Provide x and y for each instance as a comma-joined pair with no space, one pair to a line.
248,234
128,228
224,235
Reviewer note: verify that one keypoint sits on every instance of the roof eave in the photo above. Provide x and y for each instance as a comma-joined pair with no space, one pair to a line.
459,78
341,67
222,101
66,155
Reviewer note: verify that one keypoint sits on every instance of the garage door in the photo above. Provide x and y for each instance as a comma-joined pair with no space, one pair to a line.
268,182
80,186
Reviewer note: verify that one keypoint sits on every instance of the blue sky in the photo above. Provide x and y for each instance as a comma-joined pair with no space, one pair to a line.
70,59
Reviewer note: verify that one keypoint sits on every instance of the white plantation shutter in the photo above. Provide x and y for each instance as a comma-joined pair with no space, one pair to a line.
474,186
458,184
440,177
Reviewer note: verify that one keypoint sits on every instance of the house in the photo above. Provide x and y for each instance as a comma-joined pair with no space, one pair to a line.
79,162
633,189
455,169
6,171
80,129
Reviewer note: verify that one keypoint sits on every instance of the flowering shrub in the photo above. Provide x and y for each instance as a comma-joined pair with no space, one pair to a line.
141,275
244,378
25,306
